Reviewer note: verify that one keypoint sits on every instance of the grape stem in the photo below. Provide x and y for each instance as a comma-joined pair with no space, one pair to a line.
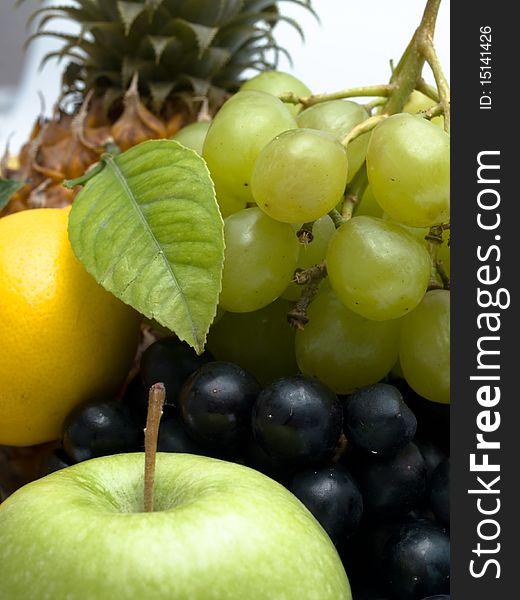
314,273
427,90
304,234
337,218
431,112
368,90
354,192
311,278
438,277
363,127
156,398
434,283
442,274
369,106
408,72
406,77
349,204
428,50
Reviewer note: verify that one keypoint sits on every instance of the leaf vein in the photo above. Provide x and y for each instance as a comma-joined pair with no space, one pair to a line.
135,205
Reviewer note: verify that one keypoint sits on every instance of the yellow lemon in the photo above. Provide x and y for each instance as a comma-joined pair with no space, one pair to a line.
63,338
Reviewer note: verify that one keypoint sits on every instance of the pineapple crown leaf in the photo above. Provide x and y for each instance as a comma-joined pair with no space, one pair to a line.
178,47
204,35
216,13
271,18
71,71
129,11
277,50
259,5
200,86
191,34
71,39
63,12
153,4
129,67
214,60
159,44
251,45
228,8
90,49
59,55
159,91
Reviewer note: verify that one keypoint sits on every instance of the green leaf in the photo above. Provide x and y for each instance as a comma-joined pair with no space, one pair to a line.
148,228
7,188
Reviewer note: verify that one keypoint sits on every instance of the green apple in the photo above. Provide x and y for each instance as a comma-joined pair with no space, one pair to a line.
220,531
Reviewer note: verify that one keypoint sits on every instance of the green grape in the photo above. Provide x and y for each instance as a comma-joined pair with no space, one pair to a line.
343,349
312,253
419,102
424,351
241,128
300,175
377,268
408,166
356,153
228,203
339,117
419,233
262,342
193,135
259,260
369,206
443,250
278,83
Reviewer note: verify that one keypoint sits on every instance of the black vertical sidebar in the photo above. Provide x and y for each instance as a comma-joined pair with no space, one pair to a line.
485,323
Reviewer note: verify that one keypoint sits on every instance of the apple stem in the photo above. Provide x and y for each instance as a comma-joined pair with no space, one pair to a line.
156,397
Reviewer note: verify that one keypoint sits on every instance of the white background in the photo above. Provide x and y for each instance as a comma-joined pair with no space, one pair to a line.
351,46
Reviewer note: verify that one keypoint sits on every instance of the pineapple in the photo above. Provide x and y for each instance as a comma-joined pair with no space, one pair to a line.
138,70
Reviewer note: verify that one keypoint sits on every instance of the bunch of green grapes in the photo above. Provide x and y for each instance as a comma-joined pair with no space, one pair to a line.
281,172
